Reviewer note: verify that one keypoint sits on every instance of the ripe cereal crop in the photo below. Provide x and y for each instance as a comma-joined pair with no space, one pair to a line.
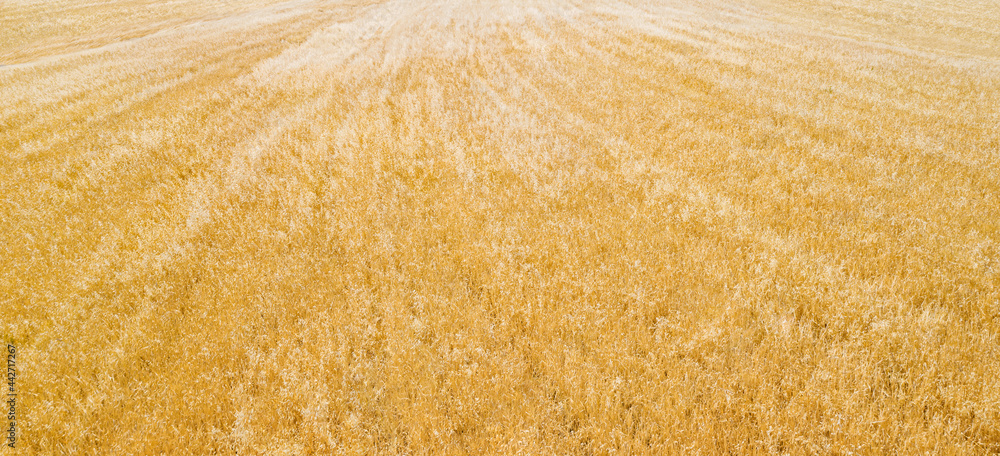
501,227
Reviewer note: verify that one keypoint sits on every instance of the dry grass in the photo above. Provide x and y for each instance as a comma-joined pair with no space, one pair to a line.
497,226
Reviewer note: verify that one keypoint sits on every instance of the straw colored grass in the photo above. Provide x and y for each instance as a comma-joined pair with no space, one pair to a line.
502,227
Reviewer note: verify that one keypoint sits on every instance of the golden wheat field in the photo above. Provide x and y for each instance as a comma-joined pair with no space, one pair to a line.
501,226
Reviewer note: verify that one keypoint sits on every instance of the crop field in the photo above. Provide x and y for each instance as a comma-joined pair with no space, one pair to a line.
501,226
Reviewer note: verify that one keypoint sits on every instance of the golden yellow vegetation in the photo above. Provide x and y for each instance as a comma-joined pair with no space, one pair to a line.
499,226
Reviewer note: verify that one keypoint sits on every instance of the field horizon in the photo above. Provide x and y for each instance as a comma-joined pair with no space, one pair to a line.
501,227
